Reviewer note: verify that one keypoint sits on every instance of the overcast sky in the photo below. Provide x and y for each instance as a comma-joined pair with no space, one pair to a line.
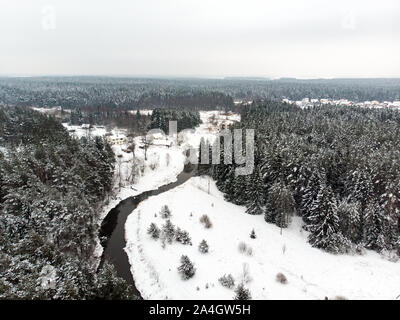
209,38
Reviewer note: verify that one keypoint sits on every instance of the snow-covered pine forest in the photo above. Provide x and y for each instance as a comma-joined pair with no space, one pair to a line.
51,187
317,219
338,168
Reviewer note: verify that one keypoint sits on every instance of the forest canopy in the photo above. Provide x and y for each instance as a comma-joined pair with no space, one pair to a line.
50,188
336,167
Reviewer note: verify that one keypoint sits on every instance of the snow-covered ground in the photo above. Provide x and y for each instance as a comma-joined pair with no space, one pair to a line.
311,273
163,163
79,131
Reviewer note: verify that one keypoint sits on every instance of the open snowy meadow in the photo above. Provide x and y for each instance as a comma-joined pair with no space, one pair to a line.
308,273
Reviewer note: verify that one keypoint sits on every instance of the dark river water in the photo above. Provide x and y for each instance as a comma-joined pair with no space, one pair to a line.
113,227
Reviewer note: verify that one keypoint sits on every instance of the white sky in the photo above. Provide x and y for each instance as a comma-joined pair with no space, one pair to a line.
282,38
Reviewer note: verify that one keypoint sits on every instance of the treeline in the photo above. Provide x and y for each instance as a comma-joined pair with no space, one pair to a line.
135,122
336,167
50,188
124,93
185,119
206,94
186,99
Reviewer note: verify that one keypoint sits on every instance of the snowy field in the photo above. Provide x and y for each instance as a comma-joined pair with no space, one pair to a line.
78,131
311,273
163,164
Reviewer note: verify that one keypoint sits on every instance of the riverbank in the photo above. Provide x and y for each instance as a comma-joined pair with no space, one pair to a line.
160,170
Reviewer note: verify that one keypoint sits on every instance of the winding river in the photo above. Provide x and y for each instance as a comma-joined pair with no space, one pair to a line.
112,230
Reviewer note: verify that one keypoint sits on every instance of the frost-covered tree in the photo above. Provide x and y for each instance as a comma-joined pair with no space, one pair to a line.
168,230
255,203
183,237
186,269
153,231
350,220
324,219
280,205
242,293
227,281
165,212
373,227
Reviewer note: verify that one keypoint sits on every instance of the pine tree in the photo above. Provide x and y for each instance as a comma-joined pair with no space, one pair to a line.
280,205
165,212
310,194
182,236
253,234
154,231
324,221
168,231
242,293
186,269
255,194
373,228
350,220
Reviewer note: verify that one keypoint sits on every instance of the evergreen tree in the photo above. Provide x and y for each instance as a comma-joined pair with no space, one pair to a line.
186,269
350,220
324,219
255,195
182,236
154,231
168,230
242,293
280,205
165,212
374,222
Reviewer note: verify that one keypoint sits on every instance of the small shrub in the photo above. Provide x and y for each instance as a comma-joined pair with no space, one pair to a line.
182,236
242,293
204,219
165,212
227,281
242,247
245,249
154,231
203,246
281,278
253,234
186,269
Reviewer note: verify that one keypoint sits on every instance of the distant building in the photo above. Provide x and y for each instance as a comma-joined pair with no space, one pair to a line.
116,140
